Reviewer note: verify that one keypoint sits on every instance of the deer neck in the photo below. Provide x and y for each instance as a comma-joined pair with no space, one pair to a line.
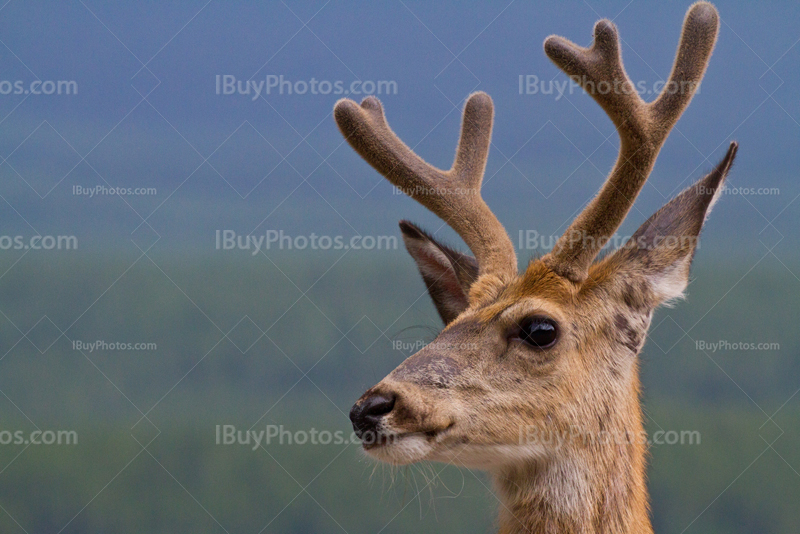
588,487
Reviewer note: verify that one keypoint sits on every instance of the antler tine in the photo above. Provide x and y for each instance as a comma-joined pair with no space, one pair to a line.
454,195
642,127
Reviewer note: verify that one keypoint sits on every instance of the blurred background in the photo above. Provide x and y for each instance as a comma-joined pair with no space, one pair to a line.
146,145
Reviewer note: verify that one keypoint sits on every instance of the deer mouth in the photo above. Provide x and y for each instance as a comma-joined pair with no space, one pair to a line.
377,440
404,448
393,429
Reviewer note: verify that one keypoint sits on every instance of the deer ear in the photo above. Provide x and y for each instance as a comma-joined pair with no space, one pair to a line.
447,273
662,249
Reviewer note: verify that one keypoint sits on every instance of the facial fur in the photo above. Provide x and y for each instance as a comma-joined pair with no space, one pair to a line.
477,396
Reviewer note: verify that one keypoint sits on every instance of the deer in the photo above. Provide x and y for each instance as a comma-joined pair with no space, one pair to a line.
552,350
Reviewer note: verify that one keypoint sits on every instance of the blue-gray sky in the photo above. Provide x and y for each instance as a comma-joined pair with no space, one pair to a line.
147,114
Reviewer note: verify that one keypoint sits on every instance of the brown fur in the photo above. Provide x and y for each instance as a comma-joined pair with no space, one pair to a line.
559,428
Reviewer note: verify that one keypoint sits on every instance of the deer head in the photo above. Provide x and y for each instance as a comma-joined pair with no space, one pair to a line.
534,368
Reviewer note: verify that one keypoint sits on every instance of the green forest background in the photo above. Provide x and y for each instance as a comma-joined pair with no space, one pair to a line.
305,366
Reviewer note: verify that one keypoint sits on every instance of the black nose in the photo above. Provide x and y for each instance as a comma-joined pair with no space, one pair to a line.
366,415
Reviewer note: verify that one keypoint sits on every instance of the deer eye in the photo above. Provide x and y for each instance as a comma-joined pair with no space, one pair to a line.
538,332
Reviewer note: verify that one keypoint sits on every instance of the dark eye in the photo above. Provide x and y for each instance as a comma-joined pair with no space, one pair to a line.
538,332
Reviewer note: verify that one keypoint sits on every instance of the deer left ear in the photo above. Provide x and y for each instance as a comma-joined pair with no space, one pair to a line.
662,249
447,273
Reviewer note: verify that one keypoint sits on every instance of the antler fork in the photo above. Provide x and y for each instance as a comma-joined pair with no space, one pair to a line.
642,127
454,195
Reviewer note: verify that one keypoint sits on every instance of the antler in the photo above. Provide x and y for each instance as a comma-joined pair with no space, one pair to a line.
642,127
454,195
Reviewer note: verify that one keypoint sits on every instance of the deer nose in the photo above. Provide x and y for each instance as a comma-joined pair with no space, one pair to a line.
366,414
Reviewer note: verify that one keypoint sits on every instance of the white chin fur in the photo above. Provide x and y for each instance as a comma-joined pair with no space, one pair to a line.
416,448
402,451
489,457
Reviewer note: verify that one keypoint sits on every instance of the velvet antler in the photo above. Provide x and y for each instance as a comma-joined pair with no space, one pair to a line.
642,127
454,195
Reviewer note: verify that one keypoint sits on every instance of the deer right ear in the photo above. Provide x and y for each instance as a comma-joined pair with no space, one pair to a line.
447,273
661,250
